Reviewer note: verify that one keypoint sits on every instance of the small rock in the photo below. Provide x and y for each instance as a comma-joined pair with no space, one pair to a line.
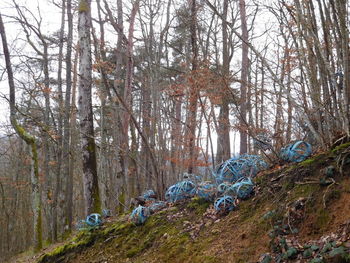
217,221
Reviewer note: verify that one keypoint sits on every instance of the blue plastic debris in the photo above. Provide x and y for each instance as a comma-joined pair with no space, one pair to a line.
235,168
223,187
181,190
149,195
157,206
225,204
93,220
296,152
139,215
106,213
243,188
206,190
230,170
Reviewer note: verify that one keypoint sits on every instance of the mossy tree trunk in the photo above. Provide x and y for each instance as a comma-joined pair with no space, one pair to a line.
31,142
90,179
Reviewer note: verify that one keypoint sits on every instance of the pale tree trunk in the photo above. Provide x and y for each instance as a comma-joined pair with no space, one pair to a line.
90,179
244,79
31,141
223,149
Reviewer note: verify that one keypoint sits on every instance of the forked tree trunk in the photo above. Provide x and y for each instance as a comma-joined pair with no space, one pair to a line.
31,142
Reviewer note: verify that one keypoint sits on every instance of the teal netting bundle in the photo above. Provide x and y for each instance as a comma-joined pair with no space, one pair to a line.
149,195
106,213
296,152
243,188
139,215
180,191
235,168
157,206
93,220
255,164
223,187
206,190
230,170
224,204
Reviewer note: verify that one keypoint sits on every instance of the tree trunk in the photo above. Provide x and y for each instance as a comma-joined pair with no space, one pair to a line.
90,179
244,80
31,142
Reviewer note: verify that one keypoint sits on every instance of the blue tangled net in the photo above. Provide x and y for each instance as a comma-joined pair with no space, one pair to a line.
207,190
223,188
106,213
157,206
149,195
225,203
296,152
243,188
180,191
235,168
93,220
233,181
139,215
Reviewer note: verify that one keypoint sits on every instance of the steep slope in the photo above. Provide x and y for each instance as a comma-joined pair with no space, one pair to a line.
300,212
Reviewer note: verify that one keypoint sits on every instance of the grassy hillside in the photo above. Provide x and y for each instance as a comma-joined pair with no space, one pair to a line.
299,213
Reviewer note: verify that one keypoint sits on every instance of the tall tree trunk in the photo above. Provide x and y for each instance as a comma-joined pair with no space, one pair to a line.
244,79
67,144
193,98
31,142
90,179
223,148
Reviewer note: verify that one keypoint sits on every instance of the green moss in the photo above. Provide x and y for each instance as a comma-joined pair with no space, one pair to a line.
341,147
39,231
307,162
304,190
83,6
199,205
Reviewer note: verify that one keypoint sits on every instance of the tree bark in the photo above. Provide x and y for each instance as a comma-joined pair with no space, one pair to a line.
244,79
90,179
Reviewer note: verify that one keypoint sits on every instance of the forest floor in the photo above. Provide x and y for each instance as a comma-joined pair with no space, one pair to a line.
299,213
